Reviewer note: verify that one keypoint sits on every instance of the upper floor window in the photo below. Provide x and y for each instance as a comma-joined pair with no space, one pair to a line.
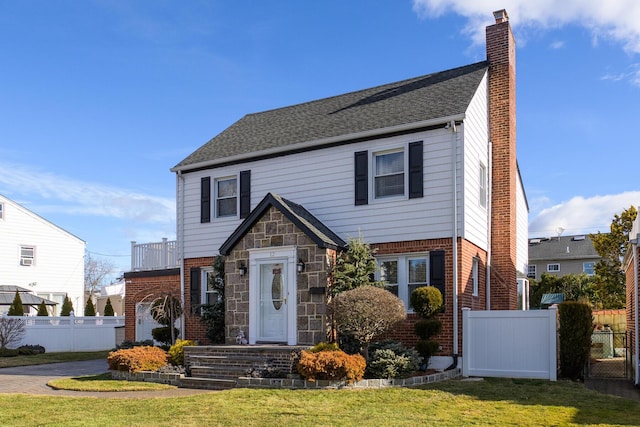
403,274
553,268
27,255
226,197
588,268
389,174
483,185
532,272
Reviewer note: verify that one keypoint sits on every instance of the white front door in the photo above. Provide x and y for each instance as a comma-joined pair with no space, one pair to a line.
272,301
272,295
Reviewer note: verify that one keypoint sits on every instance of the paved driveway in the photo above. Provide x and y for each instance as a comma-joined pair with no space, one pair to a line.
33,380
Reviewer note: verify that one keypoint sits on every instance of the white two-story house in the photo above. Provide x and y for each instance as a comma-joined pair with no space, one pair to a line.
423,169
37,255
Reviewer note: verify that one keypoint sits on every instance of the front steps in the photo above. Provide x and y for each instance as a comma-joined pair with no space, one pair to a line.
219,367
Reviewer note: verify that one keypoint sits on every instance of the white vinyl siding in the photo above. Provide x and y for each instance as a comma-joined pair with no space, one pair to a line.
476,152
322,182
522,228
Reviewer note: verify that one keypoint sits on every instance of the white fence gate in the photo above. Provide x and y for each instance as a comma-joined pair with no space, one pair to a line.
515,344
66,333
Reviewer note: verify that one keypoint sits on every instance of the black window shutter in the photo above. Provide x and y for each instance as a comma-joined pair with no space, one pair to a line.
205,199
362,178
194,290
437,271
245,193
416,182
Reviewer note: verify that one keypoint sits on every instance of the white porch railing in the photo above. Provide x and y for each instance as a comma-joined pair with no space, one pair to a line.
66,333
154,256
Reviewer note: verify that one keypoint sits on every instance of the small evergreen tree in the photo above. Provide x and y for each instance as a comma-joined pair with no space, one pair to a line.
16,308
108,308
42,309
354,268
67,306
89,308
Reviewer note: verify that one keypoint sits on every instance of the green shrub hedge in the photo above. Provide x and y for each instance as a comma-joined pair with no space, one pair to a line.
576,327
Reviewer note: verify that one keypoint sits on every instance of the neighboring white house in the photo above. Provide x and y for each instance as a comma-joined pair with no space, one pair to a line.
40,256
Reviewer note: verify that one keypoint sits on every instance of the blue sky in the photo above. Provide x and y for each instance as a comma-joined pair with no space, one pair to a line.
101,98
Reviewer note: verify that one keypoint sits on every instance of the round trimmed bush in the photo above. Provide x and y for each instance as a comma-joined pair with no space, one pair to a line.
426,301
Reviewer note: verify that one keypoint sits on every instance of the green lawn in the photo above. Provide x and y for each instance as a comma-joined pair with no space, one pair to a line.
493,402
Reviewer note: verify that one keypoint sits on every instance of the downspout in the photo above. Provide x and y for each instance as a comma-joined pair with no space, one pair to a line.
454,243
634,246
489,219
180,212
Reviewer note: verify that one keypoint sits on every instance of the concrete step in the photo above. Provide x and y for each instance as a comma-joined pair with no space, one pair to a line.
207,383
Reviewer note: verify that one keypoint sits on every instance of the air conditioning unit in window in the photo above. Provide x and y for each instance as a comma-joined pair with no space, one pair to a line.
28,262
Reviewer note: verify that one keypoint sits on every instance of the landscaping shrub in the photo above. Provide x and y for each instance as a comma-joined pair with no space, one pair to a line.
89,308
390,359
176,351
331,365
366,312
108,308
426,301
163,334
131,344
213,315
324,346
42,309
576,327
67,306
28,350
137,359
9,352
16,308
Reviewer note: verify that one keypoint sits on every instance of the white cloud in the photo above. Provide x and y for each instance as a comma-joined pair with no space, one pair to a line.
618,20
581,215
557,44
64,195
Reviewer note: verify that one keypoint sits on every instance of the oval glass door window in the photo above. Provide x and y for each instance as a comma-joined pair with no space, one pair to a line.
277,287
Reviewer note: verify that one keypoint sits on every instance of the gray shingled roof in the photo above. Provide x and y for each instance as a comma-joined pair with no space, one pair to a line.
564,247
322,235
8,293
432,96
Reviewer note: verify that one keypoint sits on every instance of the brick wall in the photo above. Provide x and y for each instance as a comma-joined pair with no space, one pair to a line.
147,286
502,133
194,328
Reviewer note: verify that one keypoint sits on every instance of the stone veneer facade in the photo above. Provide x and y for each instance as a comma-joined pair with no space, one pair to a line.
274,229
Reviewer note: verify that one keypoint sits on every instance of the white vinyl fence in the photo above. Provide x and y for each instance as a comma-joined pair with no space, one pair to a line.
515,344
67,333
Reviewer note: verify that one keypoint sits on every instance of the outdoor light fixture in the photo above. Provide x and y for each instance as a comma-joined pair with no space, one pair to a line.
242,269
300,266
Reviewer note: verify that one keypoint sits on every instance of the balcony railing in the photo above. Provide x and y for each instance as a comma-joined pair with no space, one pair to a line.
154,256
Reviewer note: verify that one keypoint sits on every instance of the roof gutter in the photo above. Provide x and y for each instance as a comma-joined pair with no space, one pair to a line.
319,143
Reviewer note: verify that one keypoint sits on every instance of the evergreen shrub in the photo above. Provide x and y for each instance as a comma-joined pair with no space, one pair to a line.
576,327
331,365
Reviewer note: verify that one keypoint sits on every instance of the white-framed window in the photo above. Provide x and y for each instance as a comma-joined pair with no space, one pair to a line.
483,185
209,294
389,173
531,273
402,274
1,211
27,255
226,196
589,268
553,268
474,276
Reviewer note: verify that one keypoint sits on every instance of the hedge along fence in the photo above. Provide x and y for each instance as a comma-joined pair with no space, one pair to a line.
576,327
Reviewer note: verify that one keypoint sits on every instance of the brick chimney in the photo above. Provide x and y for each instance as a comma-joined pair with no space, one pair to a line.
501,55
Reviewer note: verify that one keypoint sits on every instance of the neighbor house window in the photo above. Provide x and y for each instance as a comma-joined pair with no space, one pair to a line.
27,255
588,268
226,197
388,174
483,185
403,274
474,276
553,268
531,272
1,211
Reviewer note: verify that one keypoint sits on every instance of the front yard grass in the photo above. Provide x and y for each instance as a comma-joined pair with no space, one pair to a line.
103,382
492,402
44,358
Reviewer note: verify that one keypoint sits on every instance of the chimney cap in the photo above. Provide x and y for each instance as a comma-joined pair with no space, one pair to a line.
501,16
